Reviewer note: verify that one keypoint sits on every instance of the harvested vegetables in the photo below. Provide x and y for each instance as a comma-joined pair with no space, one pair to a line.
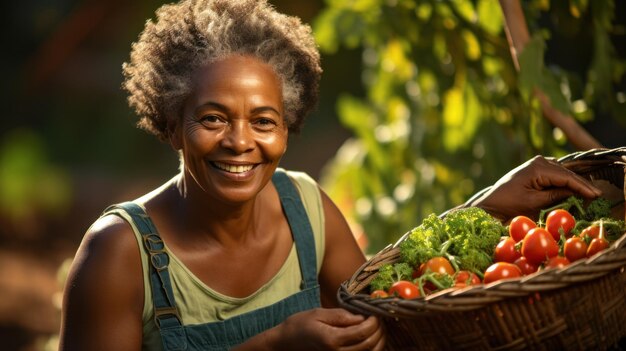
469,245
465,238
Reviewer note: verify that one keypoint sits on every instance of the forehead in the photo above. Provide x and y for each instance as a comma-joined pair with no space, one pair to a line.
241,70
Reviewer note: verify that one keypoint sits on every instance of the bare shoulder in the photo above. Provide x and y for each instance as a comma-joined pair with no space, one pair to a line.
108,252
109,232
103,296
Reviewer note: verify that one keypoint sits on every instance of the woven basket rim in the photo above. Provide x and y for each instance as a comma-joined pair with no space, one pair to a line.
476,296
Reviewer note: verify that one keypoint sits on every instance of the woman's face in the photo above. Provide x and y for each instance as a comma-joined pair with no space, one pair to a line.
232,133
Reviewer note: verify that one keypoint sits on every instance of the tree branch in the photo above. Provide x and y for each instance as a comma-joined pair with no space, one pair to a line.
517,34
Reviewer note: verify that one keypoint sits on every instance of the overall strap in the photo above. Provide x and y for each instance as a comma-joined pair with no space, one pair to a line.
165,311
300,227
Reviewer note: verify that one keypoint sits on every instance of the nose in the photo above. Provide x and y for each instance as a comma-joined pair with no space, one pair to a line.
238,137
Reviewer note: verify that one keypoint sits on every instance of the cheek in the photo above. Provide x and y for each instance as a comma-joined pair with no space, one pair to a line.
275,145
197,137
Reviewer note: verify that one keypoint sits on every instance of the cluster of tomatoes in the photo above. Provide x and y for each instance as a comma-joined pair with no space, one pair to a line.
530,247
402,288
428,278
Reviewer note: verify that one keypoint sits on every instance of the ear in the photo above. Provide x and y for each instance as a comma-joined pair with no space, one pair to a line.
173,132
287,139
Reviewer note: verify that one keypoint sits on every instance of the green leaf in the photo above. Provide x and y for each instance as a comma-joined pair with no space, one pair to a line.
461,117
324,30
536,127
424,11
465,9
601,71
363,120
531,63
490,16
394,60
355,114
334,26
552,88
472,46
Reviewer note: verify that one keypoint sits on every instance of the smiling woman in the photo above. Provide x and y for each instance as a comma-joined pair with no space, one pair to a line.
232,251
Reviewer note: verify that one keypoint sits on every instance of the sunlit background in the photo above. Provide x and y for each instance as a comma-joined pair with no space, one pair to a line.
421,107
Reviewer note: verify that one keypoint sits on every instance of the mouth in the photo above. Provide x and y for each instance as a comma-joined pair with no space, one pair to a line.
232,168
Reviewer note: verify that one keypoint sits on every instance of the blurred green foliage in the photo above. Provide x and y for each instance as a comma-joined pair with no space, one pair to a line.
29,182
446,112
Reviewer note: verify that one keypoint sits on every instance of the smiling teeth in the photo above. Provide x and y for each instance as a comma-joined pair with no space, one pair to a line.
233,168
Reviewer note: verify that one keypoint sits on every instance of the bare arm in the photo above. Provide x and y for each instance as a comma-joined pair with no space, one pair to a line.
103,297
342,255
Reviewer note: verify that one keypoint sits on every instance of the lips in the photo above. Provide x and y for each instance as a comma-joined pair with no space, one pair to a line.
232,168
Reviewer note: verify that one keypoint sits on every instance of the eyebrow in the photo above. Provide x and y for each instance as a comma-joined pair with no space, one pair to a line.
223,108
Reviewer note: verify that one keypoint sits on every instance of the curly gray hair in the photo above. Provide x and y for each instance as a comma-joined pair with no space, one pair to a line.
191,33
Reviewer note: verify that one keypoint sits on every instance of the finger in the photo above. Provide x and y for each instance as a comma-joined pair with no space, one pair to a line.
378,338
583,187
556,174
376,341
361,337
570,180
557,194
338,317
380,345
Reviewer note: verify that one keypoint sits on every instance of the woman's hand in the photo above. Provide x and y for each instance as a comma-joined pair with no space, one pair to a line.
536,184
330,329
321,329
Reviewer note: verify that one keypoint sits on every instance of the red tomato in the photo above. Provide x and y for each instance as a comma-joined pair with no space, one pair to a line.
557,262
405,289
539,245
506,251
439,265
575,248
596,245
559,219
592,231
379,294
465,278
525,266
501,270
519,226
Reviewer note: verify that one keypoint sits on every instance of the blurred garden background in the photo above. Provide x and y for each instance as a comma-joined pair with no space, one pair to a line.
423,104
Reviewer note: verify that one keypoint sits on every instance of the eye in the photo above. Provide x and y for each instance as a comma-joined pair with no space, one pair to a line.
265,123
210,120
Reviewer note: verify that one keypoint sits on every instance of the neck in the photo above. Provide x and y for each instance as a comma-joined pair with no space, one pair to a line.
207,218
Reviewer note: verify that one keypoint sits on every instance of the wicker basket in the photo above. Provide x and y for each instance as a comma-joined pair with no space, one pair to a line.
579,307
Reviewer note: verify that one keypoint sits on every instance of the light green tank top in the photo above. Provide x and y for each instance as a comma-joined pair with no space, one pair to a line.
199,303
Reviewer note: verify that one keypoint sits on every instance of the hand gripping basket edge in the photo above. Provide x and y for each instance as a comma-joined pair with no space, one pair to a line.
581,306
